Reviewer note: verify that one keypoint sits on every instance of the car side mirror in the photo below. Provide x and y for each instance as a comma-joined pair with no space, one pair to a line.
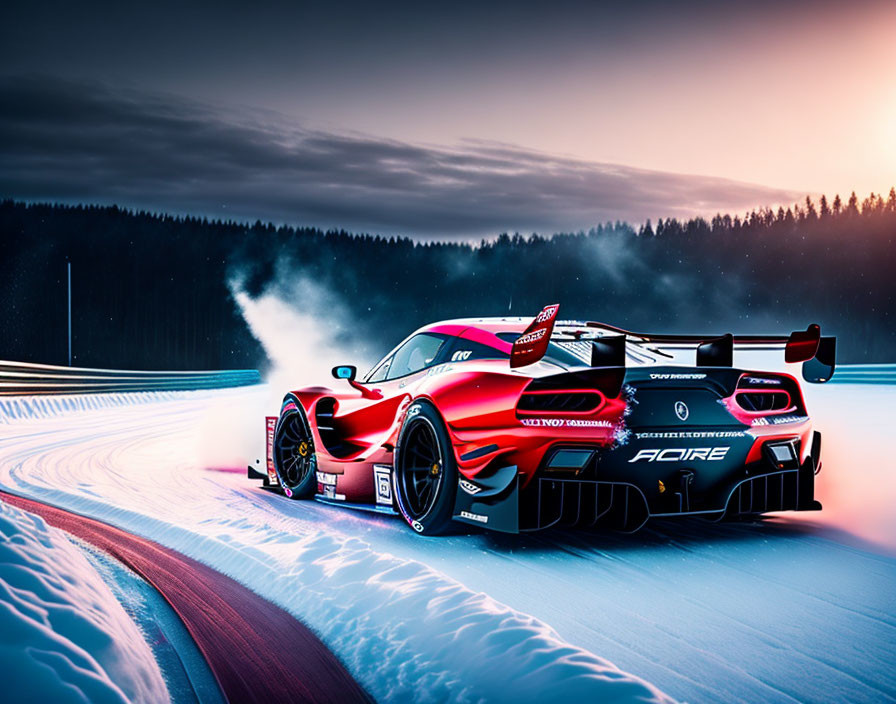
345,371
349,372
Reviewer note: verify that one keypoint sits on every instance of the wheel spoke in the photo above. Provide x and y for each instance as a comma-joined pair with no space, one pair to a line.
428,457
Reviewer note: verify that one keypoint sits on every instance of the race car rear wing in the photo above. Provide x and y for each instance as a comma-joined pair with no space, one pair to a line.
817,353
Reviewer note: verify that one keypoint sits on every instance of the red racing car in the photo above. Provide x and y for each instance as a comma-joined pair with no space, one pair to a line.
516,426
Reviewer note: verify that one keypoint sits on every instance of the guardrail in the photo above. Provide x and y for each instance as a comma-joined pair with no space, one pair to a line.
24,379
865,374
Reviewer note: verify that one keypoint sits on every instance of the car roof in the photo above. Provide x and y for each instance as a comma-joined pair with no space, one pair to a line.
497,325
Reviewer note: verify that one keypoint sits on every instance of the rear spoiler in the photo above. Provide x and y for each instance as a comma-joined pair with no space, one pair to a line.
533,343
607,356
817,353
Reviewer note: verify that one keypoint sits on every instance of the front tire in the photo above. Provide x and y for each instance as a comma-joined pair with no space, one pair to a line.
294,459
425,471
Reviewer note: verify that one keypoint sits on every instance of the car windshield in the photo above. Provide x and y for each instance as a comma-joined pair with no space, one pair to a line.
418,352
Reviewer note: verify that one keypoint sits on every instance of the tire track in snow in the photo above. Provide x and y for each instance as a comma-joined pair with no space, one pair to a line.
405,630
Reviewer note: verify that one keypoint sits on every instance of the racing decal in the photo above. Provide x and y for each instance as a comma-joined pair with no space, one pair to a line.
761,380
271,426
469,487
547,313
382,474
675,434
329,492
681,410
461,355
531,337
779,420
533,343
326,486
663,377
478,517
565,423
681,454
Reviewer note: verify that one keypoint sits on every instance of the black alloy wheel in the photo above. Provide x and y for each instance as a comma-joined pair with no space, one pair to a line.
294,457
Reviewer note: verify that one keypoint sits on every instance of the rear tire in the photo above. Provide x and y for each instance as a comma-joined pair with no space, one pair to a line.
425,471
294,459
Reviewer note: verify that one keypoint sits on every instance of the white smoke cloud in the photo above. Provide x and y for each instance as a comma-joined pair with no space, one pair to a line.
305,331
302,328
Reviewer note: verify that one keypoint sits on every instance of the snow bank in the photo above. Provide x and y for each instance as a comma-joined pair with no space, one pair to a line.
404,630
63,636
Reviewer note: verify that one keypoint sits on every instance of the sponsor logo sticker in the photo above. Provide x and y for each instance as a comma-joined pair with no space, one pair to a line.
469,487
663,377
534,336
761,380
271,424
690,434
548,313
681,410
383,480
565,423
478,517
779,420
681,454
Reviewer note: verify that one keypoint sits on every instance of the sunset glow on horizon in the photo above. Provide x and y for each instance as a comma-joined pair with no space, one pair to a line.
786,99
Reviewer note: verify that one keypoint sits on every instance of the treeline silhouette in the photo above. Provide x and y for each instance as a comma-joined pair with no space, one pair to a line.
155,291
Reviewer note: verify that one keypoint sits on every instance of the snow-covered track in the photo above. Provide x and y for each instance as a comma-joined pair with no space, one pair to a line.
257,651
790,609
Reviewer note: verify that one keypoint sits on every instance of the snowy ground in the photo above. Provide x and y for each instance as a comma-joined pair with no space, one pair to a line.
794,609
63,635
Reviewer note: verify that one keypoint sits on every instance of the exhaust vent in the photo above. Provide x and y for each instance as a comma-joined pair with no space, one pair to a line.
559,402
763,401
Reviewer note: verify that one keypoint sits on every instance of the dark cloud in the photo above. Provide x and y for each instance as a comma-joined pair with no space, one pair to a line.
84,142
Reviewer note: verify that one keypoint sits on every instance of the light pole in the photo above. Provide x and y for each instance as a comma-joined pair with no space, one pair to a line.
69,312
